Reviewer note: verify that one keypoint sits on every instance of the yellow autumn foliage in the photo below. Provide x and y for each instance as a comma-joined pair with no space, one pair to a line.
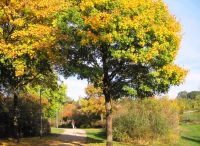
26,28
140,37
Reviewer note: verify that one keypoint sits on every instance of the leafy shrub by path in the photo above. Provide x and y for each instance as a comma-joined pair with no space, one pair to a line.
145,121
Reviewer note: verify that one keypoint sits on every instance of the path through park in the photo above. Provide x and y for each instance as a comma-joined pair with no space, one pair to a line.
73,137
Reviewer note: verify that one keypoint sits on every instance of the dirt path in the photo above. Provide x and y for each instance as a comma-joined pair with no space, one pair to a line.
72,137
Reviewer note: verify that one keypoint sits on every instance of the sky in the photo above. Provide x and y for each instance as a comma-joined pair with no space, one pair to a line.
187,12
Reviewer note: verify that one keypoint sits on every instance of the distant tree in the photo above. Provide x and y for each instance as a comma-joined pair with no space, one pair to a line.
53,99
182,94
189,95
68,110
130,46
193,94
93,104
92,91
197,102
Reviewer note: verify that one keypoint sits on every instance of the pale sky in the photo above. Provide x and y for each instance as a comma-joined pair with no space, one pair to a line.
187,13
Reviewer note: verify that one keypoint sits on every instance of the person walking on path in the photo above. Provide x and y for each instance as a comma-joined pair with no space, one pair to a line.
73,124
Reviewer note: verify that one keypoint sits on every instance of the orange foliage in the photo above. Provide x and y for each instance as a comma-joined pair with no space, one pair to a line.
68,110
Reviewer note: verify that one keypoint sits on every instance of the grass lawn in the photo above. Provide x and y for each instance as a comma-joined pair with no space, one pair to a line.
190,135
56,130
97,137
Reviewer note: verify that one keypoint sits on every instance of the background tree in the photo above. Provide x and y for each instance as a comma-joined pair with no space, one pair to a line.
188,100
128,45
27,37
182,94
193,94
189,95
68,111
93,104
54,99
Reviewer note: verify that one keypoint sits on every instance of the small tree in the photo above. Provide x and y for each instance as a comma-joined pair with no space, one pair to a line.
130,46
93,104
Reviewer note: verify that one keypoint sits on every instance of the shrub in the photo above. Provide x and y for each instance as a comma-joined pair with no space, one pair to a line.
145,121
29,118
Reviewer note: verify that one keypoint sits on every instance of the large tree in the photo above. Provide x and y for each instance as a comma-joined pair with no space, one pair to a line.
27,37
128,45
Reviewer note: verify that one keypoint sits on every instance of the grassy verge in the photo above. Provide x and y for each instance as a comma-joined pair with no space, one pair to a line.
190,129
190,135
56,130
193,117
97,137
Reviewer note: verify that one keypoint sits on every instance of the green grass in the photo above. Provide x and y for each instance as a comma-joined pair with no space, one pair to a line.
190,129
193,117
190,135
97,137
56,130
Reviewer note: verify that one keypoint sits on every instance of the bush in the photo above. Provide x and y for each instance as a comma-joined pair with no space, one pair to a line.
29,118
187,104
145,121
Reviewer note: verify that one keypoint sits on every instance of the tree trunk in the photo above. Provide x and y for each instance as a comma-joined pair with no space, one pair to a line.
16,118
108,121
101,117
56,119
106,92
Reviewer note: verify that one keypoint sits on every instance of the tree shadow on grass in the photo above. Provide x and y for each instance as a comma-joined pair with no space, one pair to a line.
78,139
193,139
98,137
49,140
56,140
93,140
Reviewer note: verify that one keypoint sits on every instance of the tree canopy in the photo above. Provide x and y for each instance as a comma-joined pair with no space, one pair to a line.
137,41
27,37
